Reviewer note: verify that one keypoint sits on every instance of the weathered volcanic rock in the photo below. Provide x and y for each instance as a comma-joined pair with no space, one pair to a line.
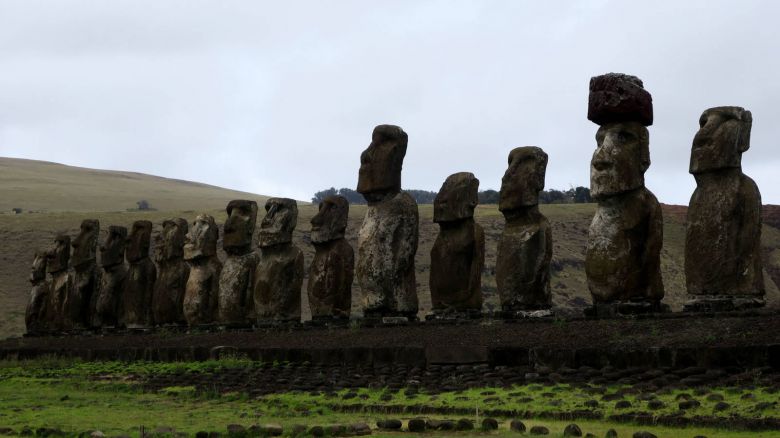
35,313
85,275
105,304
236,281
616,97
172,273
200,252
59,280
141,275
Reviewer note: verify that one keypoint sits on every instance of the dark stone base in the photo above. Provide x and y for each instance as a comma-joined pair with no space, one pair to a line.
451,316
525,314
326,321
710,303
625,308
277,323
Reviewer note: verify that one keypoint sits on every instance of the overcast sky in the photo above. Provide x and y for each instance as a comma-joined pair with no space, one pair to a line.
280,98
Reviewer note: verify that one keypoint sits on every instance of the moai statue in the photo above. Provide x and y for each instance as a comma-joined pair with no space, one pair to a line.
37,307
200,252
387,240
86,277
57,259
723,269
525,248
458,255
622,261
137,297
172,274
332,270
279,274
235,303
105,304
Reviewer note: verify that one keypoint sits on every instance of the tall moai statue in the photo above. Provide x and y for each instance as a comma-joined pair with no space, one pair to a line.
86,276
387,240
723,268
332,270
172,274
105,304
57,264
37,307
279,274
235,303
623,258
200,252
141,275
458,255
525,248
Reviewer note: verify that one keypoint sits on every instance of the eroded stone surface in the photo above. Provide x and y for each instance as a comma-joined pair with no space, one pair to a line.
59,279
35,313
236,281
112,278
141,275
200,252
525,248
332,269
172,273
616,97
458,254
723,234
86,275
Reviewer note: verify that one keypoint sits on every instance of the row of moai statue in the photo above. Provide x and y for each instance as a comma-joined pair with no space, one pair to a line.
191,286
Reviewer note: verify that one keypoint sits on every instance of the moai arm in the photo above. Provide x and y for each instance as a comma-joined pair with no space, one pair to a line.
479,263
406,237
652,255
749,252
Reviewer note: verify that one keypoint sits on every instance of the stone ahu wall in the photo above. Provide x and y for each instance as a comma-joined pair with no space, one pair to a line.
82,284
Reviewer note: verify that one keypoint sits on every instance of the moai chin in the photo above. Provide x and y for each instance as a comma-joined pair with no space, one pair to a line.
200,252
723,268
172,274
235,303
387,240
331,271
137,296
37,307
622,261
105,304
85,275
279,273
57,259
525,247
458,255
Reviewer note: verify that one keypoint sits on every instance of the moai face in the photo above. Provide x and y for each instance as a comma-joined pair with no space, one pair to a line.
38,268
201,240
112,252
330,222
58,255
381,163
85,244
139,241
724,133
281,216
523,179
621,158
239,226
457,198
169,244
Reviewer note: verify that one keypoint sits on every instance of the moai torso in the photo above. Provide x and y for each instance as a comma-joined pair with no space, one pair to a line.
723,234
235,304
525,248
331,272
35,314
172,274
387,240
59,280
86,275
200,252
139,283
458,254
105,304
279,274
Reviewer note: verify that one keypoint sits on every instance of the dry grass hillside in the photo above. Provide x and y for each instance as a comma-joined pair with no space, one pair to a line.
22,234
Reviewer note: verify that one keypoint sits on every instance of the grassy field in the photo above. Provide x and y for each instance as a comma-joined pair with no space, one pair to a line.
109,396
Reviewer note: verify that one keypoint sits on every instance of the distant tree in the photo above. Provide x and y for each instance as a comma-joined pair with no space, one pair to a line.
488,197
16,210
422,196
582,195
143,205
321,195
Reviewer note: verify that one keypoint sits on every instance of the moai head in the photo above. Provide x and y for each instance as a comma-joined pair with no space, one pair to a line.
38,268
169,244
523,179
281,216
381,163
457,198
139,241
201,240
330,222
621,158
239,226
85,244
112,252
617,97
58,255
724,133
